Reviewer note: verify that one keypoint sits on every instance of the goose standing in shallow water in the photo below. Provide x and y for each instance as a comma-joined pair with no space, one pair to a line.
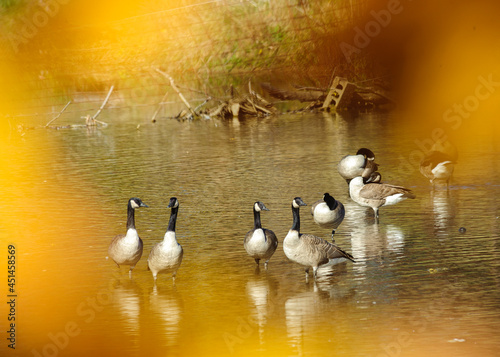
375,194
126,249
437,166
309,250
362,164
260,243
166,256
328,212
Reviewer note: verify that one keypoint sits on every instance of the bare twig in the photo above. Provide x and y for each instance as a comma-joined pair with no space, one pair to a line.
159,107
58,115
202,104
172,83
377,92
251,92
103,105
332,78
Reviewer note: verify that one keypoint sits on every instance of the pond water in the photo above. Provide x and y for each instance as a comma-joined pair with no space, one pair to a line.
418,287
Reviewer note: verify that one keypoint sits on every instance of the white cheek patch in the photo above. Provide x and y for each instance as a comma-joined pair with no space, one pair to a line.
133,204
295,205
256,207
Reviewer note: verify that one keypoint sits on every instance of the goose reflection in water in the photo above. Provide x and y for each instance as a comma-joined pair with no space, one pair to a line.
261,292
127,298
166,306
372,242
300,312
304,311
443,211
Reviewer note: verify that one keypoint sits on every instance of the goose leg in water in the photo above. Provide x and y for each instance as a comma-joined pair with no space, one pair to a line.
376,215
315,272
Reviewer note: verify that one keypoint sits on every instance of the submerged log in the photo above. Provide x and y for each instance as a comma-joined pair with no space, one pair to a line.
301,96
342,94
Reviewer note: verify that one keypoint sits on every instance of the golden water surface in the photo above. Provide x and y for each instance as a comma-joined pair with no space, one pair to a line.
419,287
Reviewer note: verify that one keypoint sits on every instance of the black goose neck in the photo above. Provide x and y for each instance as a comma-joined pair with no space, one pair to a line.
173,219
130,217
296,219
331,203
256,219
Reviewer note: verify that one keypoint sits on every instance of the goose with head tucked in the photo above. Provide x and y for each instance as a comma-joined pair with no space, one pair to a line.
166,256
362,164
260,243
437,166
375,194
309,250
328,212
126,249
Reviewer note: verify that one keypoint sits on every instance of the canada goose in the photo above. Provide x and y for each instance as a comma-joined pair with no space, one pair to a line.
260,243
328,212
126,249
307,249
437,166
362,164
376,195
166,256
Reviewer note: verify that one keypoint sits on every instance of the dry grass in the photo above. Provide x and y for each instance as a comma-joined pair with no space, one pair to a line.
200,44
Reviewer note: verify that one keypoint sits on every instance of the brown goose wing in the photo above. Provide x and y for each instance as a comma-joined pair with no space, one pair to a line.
322,249
379,191
336,252
271,236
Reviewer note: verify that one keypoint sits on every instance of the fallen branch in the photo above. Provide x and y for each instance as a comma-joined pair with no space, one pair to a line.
58,115
153,119
172,83
385,96
102,106
202,104
90,121
301,96
218,111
